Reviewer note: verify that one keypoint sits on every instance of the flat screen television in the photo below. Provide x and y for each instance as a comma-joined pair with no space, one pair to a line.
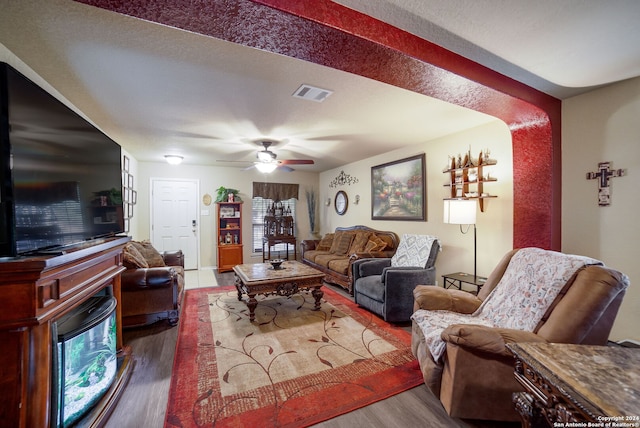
61,180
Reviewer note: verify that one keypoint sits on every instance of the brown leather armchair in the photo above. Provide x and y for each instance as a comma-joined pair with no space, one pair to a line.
151,294
475,377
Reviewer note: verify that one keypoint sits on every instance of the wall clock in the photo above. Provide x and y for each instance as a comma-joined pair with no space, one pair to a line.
341,202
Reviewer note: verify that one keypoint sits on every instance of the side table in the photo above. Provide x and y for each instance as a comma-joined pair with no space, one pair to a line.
577,385
270,241
456,280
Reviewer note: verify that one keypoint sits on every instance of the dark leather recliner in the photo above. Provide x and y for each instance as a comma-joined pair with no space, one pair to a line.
151,294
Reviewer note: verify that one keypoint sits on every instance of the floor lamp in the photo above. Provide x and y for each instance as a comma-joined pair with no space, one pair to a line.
463,211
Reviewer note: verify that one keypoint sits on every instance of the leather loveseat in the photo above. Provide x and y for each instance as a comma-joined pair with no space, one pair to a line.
335,252
152,285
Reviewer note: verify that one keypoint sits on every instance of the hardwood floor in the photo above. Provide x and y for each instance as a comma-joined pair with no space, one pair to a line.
144,401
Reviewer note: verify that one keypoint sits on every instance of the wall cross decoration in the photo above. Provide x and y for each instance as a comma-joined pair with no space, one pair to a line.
603,175
342,179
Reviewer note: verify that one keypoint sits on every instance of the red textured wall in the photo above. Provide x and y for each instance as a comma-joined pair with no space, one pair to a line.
326,33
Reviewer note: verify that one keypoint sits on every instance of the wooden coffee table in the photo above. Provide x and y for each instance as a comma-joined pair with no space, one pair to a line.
262,278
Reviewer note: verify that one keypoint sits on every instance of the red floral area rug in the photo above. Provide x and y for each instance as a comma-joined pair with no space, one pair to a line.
292,367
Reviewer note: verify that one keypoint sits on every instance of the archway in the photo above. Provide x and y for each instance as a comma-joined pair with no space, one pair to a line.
329,34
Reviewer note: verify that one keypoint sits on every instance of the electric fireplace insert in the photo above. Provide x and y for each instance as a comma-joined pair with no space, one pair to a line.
85,361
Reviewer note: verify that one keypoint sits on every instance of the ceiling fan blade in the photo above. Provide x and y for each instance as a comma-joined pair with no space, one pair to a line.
296,162
285,168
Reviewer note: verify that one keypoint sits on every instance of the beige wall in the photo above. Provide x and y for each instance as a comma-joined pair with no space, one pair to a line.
604,125
494,225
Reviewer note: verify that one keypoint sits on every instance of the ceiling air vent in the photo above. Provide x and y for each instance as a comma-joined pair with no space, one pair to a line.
311,93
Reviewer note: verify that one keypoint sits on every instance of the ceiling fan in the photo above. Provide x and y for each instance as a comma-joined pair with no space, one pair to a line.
267,161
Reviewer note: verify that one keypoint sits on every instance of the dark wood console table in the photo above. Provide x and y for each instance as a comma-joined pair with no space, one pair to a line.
271,241
278,229
36,291
568,385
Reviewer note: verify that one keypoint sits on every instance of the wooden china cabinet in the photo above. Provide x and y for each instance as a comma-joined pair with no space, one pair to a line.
229,235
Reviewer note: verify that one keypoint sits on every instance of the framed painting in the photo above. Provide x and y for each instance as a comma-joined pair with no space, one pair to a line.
398,190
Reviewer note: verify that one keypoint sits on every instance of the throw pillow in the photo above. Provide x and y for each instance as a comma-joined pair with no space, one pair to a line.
343,244
359,242
336,240
325,242
375,244
150,254
132,259
413,250
381,244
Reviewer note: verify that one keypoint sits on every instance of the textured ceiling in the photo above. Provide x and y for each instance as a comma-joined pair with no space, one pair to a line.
559,47
158,90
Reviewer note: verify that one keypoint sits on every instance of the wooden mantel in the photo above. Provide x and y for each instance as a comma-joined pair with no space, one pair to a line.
35,292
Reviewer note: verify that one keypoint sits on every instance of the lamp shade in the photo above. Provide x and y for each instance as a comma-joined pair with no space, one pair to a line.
460,211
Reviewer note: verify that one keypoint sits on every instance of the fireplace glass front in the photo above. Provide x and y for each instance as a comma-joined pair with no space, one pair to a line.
85,358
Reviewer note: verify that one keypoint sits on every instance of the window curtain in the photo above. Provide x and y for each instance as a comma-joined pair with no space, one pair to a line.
275,191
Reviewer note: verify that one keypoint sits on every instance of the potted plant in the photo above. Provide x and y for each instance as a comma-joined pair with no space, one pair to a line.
223,193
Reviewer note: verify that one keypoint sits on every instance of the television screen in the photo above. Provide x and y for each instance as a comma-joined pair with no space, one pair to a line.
66,180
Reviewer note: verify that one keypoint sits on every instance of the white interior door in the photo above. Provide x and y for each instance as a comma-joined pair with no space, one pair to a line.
174,220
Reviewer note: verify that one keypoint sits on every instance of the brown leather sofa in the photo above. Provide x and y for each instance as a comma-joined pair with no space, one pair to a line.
152,285
475,378
335,252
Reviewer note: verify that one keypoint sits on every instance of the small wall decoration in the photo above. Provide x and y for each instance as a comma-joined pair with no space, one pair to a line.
341,202
129,195
343,179
398,190
603,175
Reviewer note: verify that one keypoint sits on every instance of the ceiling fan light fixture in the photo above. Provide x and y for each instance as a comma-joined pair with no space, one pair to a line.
173,159
265,156
266,167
